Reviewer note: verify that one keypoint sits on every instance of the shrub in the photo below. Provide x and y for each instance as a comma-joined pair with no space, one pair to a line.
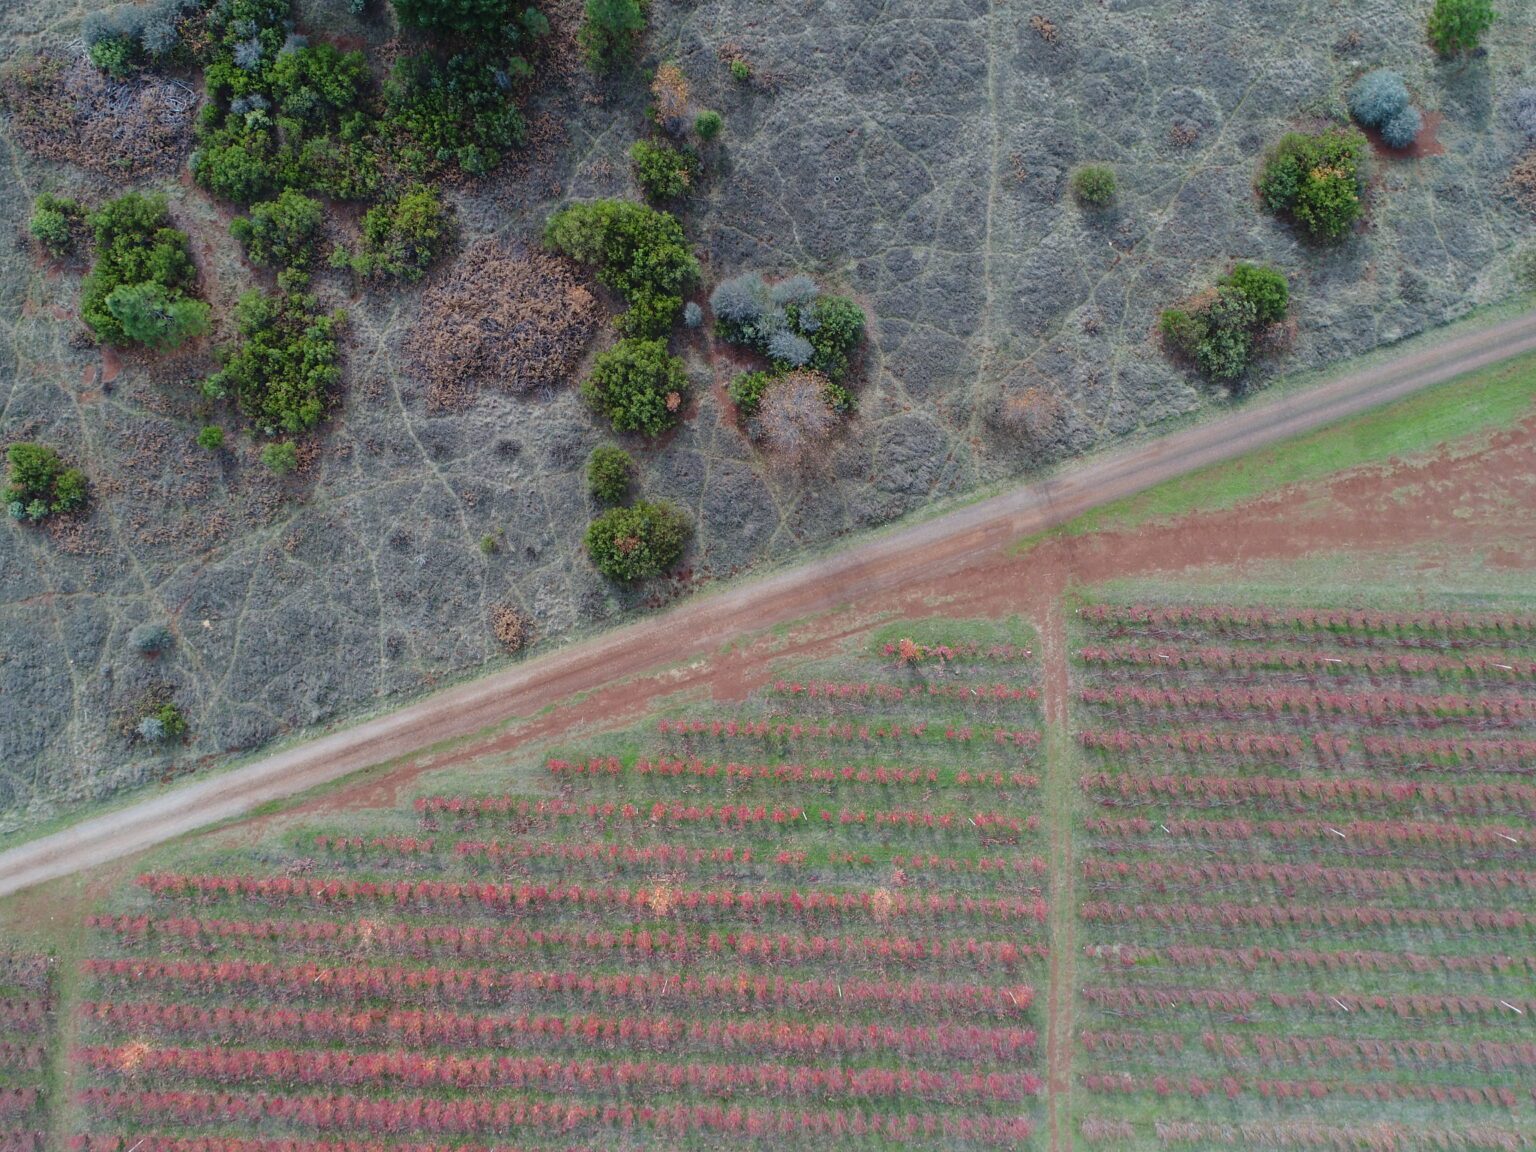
134,246
280,456
283,373
707,124
154,316
790,348
1403,129
1265,288
1457,25
669,89
836,331
797,289
1377,97
316,83
609,33
1227,349
738,302
638,386
1182,330
162,724
38,485
746,391
693,315
211,438
627,544
1094,186
789,322
609,472
664,172
458,15
1315,179
403,237
118,57
637,251
148,639
510,626
458,110
796,413
741,71
280,233
54,223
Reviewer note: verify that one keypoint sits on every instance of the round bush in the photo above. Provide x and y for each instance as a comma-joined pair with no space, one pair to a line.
1094,186
746,391
693,315
609,472
628,544
638,386
281,457
1377,97
1403,129
147,639
791,349
1264,287
708,124
740,300
211,438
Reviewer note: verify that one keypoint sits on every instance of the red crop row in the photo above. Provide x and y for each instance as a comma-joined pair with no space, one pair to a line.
1230,1086
17,1101
95,1142
1225,915
1354,881
1311,619
679,856
660,900
420,1029
846,690
741,988
429,1114
1308,702
491,943
1131,1043
1221,1000
1354,960
406,845
342,1068
1378,1054
22,1014
787,773
1443,753
745,728
1378,833
1241,659
25,1056
22,1141
1377,1137
1226,790
1000,653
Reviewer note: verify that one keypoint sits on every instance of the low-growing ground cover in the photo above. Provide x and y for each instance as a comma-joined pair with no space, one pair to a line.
1303,882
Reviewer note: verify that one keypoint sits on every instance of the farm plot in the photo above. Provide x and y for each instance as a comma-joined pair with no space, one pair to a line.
1306,879
26,1020
819,920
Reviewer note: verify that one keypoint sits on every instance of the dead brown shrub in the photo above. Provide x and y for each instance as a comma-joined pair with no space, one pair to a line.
1044,29
517,321
1034,413
1183,134
1522,181
511,626
670,88
796,415
68,110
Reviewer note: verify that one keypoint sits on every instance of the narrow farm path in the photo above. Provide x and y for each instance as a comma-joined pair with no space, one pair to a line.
1057,792
881,566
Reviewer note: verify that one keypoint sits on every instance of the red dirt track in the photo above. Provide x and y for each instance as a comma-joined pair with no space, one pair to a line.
960,555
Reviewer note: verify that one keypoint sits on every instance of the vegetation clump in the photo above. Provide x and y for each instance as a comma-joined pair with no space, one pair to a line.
1222,332
38,485
1456,26
55,224
707,125
281,457
628,544
664,172
211,437
609,33
637,251
150,638
161,723
284,372
796,413
791,323
281,233
404,236
456,111
137,291
610,471
510,626
1315,179
746,391
1379,100
1094,186
638,386
463,16
122,39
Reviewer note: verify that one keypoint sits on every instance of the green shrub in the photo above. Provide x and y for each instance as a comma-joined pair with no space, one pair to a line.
161,723
637,251
238,169
118,57
1182,330
156,317
664,172
638,386
707,124
609,33
782,320
211,438
836,331
54,223
488,545
1457,25
1094,186
1227,349
135,248
457,111
466,16
746,391
1315,179
148,639
741,71
38,485
284,371
628,544
280,233
316,83
609,473
1265,288
281,457
403,237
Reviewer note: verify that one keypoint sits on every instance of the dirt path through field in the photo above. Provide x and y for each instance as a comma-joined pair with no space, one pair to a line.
885,569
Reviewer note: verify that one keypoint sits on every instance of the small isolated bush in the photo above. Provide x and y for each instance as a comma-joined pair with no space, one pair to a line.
280,233
1403,129
609,33
55,223
1377,97
610,471
637,251
638,386
741,71
283,374
162,724
211,438
1265,288
1315,179
1222,332
510,626
135,247
1094,186
38,485
664,172
488,545
148,639
707,124
1456,26
796,414
628,544
746,391
280,456
404,236
693,315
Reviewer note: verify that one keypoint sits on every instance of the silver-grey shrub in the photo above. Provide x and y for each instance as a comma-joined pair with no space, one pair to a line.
1377,97
797,289
740,300
792,349
1403,129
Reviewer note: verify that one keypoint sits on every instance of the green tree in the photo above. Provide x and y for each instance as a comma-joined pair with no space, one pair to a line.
608,36
638,386
211,438
1456,26
1264,287
281,457
152,315
609,473
466,16
280,233
134,246
633,543
637,251
404,237
1316,180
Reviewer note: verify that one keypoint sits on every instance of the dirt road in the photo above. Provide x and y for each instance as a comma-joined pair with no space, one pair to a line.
881,565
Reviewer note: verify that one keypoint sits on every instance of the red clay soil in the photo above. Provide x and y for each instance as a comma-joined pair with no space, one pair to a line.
1426,143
